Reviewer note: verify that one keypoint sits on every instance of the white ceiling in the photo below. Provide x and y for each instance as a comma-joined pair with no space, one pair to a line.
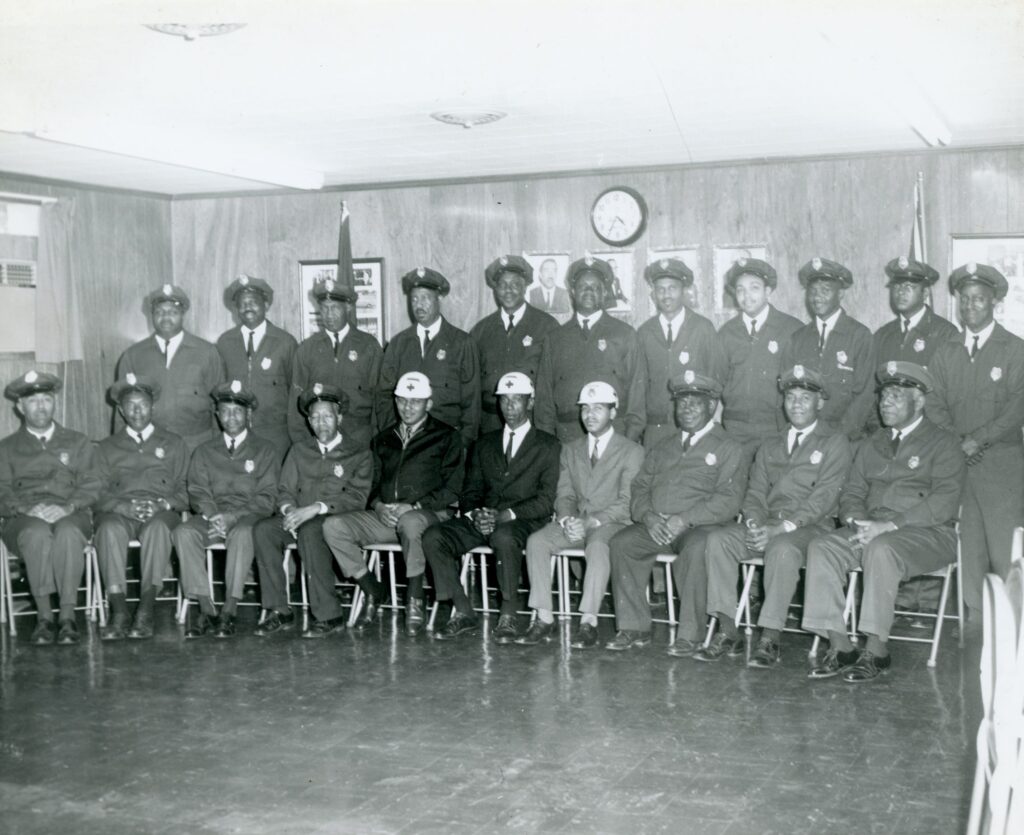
345,88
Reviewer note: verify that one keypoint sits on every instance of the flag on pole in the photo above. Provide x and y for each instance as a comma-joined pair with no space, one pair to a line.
917,245
345,277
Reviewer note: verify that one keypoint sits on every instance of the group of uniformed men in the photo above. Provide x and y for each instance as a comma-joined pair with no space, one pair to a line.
834,450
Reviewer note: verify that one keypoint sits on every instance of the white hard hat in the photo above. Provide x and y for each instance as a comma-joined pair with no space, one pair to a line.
598,392
515,382
414,385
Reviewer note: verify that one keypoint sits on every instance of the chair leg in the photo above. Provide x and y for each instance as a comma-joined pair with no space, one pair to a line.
670,597
8,592
3,586
485,589
90,600
743,608
940,617
712,623
394,580
850,611
209,572
959,597
813,652
305,600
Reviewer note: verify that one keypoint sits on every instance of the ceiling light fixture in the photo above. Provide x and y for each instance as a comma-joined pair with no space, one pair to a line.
468,118
194,31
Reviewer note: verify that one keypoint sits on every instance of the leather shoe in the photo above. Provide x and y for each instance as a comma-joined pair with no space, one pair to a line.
142,627
834,663
45,633
275,622
628,639
586,637
457,625
225,626
721,645
767,654
117,629
505,632
67,633
199,625
868,666
538,632
414,616
683,648
323,628
368,616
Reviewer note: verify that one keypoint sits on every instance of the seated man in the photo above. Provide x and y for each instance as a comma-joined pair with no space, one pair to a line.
792,497
232,483
417,476
48,482
688,485
322,475
144,468
898,508
595,475
509,493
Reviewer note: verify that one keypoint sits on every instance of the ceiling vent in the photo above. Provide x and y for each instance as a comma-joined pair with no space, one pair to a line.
194,31
468,118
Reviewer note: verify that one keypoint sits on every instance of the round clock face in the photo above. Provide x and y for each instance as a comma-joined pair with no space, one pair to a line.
619,216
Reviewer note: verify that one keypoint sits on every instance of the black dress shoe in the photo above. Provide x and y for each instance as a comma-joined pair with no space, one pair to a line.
45,633
505,632
586,637
767,654
683,648
538,632
199,625
415,617
225,626
459,624
67,632
868,666
323,628
275,622
117,628
721,645
367,617
834,663
628,639
142,627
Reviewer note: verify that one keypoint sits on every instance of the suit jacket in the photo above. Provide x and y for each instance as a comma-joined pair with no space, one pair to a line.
601,492
802,488
340,479
429,470
920,342
184,407
155,469
560,302
268,376
245,482
919,486
453,368
526,485
63,472
704,484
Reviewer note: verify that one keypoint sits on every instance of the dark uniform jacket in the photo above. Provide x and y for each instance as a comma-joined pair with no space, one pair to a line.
919,486
268,375
847,367
354,368
802,488
340,479
920,342
155,469
571,359
451,365
64,472
245,482
526,486
184,407
501,352
428,471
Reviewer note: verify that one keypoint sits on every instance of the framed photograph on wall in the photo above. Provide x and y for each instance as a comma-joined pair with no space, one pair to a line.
369,278
1006,254
689,254
548,291
624,299
725,255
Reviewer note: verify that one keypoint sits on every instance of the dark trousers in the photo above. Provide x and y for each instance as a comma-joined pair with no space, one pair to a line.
114,532
317,564
54,554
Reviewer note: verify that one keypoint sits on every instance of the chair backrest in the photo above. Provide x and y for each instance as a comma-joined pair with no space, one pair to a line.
999,649
1017,544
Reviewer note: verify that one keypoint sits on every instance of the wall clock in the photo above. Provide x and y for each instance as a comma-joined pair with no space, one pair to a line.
619,216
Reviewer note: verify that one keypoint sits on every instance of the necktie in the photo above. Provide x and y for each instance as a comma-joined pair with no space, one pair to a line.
753,329
508,325
508,448
42,441
974,347
231,446
165,349
586,328
668,334
249,349
323,450
821,339
796,442
906,325
337,345
426,343
896,443
687,443
137,439
594,457
549,300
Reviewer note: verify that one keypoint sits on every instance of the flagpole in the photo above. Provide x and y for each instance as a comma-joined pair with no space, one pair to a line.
920,200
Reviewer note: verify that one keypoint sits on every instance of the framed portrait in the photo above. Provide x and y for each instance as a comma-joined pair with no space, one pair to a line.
689,254
1006,254
369,278
548,291
623,301
725,255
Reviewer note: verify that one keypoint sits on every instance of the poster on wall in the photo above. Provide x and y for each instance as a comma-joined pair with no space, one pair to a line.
547,292
369,277
1006,254
725,255
623,300
689,254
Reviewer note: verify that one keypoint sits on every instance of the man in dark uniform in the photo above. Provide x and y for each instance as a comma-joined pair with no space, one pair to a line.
591,346
979,397
549,297
689,485
837,346
417,477
338,355
509,339
753,344
671,342
898,508
509,493
185,367
48,483
232,484
792,497
322,475
435,347
144,470
261,355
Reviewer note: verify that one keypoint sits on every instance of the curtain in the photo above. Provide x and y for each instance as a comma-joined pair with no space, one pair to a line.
58,313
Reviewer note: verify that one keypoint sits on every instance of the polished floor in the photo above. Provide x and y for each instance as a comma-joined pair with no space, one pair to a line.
380,733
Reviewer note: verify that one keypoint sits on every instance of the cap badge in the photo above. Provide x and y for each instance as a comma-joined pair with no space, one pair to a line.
167,289
236,386
663,263
339,471
131,379
65,459
250,465
711,459
798,372
996,374
265,363
903,262
442,354
318,389
913,462
329,285
972,268
420,272
503,261
816,263
159,452
890,369
741,262
31,377
919,345
816,456
773,347
684,357
243,280
601,345
689,377
527,341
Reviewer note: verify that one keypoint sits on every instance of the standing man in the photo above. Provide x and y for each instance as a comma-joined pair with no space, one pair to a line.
595,477
417,478
792,497
261,355
917,330
591,346
688,486
509,493
144,467
48,483
185,367
232,484
509,339
671,342
438,349
837,346
979,397
753,344
322,476
549,297
337,355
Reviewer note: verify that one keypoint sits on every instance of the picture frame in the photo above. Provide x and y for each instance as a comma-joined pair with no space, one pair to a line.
549,272
689,254
369,284
621,261
724,256
1005,252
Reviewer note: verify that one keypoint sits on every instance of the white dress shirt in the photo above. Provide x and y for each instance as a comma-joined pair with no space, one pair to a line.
257,335
140,437
169,347
700,433
592,319
676,323
982,335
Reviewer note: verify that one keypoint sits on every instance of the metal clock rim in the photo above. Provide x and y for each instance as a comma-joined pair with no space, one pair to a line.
641,228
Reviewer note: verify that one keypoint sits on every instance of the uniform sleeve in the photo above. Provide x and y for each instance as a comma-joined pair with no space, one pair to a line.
854,496
618,511
566,500
942,504
1011,416
89,479
711,348
937,400
755,502
262,502
474,488
288,487
640,500
356,490
200,494
453,471
8,498
375,474
544,402
834,469
863,402
636,414
469,382
542,502
178,498
107,503
723,505
297,428
373,380
386,385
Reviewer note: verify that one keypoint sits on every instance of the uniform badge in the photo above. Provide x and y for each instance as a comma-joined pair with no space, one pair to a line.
318,389
31,376
353,356
890,368
527,341
919,345
243,280
773,347
250,466
265,363
684,357
442,354
816,456
798,372
710,459
601,345
131,379
159,452
339,471
236,386
167,289
996,374
65,459
841,357
913,462
689,377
